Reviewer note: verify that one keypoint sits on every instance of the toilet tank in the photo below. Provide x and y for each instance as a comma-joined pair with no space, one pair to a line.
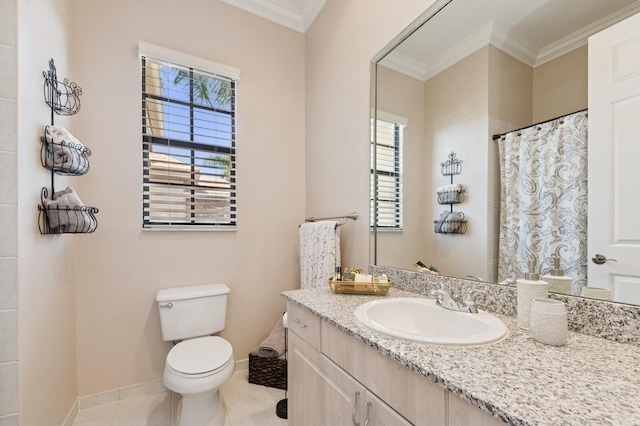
187,312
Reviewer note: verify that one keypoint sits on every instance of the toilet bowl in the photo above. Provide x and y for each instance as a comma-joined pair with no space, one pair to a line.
196,368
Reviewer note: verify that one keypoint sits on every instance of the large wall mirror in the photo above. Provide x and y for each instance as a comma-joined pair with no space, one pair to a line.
464,78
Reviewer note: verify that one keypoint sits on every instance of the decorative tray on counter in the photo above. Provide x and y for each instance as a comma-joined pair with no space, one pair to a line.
355,287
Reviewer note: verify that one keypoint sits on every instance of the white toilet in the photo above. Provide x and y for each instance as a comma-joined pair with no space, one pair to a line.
200,363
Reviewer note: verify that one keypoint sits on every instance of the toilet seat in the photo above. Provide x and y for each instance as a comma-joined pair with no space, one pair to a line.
199,357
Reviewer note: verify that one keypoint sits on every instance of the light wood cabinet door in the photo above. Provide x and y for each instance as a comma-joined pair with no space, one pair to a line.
320,393
462,413
417,399
378,413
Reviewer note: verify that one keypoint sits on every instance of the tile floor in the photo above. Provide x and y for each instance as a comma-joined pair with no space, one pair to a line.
247,405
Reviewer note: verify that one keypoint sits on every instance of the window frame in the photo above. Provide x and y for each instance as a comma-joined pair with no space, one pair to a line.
396,145
194,66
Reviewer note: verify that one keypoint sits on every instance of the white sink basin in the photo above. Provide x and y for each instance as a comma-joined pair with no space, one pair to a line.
421,320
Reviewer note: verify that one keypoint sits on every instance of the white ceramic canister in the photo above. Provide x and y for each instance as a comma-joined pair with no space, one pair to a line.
549,324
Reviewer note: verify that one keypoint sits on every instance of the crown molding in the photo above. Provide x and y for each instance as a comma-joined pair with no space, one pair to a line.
297,15
581,37
507,42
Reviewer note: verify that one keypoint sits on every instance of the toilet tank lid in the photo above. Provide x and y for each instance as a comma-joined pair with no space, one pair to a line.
191,292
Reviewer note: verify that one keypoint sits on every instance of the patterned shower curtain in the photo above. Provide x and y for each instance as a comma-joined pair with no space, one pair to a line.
543,199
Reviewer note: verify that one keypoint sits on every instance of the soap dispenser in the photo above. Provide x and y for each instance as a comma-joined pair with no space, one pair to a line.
528,289
558,282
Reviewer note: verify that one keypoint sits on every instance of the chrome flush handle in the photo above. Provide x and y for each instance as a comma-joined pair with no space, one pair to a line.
168,305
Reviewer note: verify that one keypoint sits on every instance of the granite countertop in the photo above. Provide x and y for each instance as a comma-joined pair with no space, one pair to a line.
590,381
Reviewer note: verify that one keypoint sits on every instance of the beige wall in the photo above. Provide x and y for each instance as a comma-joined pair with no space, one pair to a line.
339,47
511,87
47,263
120,267
456,119
403,96
560,86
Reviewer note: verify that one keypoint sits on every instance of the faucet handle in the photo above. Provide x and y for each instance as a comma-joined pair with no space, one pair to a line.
444,299
440,293
468,299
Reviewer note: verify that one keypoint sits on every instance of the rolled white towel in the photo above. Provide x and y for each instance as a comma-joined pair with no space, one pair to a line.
454,222
60,135
438,226
450,188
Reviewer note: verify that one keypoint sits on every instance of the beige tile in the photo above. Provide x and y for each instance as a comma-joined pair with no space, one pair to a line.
143,389
8,336
100,421
8,283
8,125
9,388
141,418
237,390
9,420
278,394
97,399
8,178
175,403
9,231
9,72
262,412
150,403
95,413
8,19
143,410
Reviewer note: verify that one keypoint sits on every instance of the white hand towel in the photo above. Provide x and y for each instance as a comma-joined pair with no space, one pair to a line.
319,252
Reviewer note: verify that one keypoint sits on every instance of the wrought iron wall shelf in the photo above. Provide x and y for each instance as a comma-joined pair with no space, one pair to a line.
55,219
450,222
63,155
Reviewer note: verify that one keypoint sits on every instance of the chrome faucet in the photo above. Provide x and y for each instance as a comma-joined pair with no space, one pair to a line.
445,300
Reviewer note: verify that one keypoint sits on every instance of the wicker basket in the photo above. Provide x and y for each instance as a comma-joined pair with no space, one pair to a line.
270,372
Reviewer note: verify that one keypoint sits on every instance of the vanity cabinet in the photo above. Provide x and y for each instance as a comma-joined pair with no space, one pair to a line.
462,413
335,379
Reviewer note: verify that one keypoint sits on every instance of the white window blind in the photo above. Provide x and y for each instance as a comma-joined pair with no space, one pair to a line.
188,145
386,175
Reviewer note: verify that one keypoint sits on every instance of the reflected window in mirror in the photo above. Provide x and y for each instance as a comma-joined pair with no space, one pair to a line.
386,172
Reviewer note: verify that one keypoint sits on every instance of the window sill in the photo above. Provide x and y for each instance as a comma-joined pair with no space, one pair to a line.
194,228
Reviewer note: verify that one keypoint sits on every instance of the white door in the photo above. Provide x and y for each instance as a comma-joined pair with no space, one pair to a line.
614,159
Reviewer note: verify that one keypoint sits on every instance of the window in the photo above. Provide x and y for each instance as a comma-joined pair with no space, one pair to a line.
188,144
386,174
